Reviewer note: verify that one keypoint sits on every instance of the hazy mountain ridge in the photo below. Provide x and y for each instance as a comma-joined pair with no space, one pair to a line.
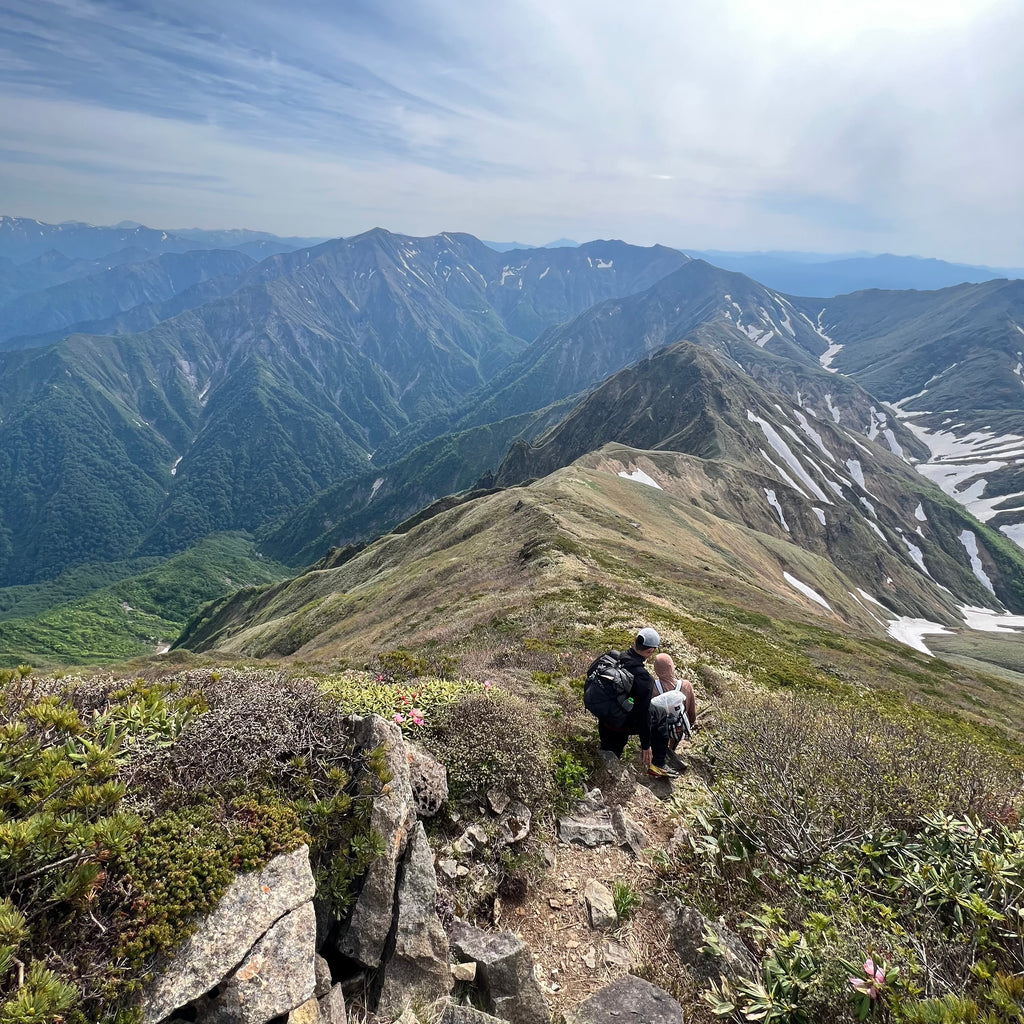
814,274
257,400
113,291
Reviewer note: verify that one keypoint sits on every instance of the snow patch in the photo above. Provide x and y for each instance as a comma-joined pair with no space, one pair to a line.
174,468
985,620
853,465
641,478
970,542
820,513
825,359
806,590
813,435
909,631
787,456
774,502
919,513
915,554
833,410
376,487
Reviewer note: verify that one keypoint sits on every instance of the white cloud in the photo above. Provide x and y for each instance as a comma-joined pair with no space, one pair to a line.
736,124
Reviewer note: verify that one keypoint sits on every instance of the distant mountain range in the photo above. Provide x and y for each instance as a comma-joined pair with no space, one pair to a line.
330,393
810,275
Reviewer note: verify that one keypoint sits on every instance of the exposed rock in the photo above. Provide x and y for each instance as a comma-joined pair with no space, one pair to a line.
247,910
687,927
498,800
307,1013
448,866
322,971
332,1007
276,976
617,956
628,832
630,999
428,779
591,829
515,822
504,973
407,1017
417,969
464,972
393,815
467,1015
600,905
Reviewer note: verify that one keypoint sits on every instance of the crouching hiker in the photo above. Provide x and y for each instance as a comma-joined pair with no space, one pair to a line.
618,692
669,725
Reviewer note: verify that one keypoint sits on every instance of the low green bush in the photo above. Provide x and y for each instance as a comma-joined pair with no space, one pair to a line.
127,809
495,739
886,854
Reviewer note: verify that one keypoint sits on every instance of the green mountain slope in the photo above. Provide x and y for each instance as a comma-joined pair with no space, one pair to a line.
575,560
135,615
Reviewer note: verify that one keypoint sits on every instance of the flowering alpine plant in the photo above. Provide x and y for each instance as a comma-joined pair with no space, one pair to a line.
868,984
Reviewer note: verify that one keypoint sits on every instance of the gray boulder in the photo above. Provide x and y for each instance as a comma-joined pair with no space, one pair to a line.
687,927
393,816
504,974
251,906
466,1015
600,905
628,832
590,829
332,1007
428,779
417,970
277,976
630,999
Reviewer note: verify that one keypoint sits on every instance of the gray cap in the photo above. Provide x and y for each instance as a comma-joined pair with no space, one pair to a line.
648,637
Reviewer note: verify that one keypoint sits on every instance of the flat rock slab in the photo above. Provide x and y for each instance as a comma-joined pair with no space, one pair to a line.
630,1000
276,977
252,904
594,829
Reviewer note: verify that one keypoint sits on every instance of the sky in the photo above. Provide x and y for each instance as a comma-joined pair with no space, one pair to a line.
816,125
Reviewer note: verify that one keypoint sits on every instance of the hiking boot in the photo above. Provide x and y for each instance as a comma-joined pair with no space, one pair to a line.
662,773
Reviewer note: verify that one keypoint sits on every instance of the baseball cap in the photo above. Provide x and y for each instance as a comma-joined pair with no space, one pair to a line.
648,637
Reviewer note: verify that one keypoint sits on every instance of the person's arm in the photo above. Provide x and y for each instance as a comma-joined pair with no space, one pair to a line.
643,688
691,702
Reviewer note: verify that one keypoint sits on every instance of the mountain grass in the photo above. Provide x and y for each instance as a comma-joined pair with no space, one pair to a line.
548,576
130,616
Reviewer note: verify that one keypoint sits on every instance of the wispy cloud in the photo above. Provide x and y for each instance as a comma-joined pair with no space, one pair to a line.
729,124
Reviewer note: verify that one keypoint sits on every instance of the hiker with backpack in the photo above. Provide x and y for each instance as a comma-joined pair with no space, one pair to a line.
618,691
666,681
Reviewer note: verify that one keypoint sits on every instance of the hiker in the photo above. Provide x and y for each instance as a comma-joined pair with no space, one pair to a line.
635,722
666,680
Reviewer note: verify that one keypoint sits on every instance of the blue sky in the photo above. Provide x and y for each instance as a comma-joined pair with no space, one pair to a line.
877,125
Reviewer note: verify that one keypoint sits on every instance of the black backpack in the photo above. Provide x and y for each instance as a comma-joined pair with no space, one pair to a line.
607,689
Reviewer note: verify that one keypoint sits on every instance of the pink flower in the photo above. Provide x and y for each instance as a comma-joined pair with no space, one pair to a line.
397,718
873,980
380,679
487,684
417,719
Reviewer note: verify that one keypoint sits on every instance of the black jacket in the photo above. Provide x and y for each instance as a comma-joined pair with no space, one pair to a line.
638,722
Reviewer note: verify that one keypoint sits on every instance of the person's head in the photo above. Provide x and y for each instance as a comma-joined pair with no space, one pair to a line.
665,668
647,642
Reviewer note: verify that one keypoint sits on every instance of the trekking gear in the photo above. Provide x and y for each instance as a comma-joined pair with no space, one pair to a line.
668,716
661,773
607,689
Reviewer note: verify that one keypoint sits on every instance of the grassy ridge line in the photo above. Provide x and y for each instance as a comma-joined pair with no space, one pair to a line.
136,615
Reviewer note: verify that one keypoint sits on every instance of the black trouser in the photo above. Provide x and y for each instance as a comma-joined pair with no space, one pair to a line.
615,739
